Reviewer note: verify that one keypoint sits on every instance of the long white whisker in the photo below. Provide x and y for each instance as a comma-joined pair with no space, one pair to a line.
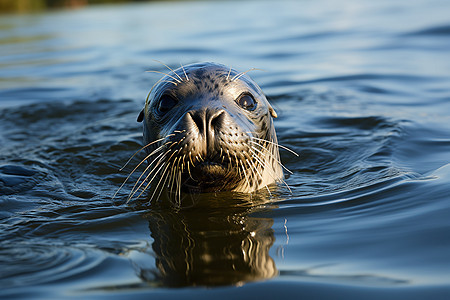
149,144
162,175
152,173
172,175
169,69
189,169
163,186
229,159
236,77
159,182
182,165
271,154
148,156
277,158
170,81
237,166
264,165
268,168
278,145
184,71
175,179
179,184
155,173
245,174
135,168
228,75
134,189
169,159
260,175
168,75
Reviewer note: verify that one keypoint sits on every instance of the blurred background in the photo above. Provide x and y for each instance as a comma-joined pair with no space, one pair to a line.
23,6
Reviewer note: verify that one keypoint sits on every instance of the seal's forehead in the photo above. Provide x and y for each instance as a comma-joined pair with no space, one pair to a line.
216,76
205,80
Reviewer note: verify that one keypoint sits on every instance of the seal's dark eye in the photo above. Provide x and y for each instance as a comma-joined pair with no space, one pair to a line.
166,102
246,101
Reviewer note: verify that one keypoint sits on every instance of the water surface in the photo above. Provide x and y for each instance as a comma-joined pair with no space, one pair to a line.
362,91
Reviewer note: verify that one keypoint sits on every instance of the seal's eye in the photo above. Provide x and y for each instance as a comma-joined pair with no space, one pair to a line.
246,101
166,102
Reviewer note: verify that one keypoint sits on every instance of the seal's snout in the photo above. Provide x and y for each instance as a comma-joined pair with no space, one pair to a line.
207,123
207,120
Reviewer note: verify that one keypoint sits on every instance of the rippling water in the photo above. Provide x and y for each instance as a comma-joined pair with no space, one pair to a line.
362,90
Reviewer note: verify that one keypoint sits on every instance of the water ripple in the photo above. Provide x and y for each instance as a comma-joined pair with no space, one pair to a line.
443,30
45,262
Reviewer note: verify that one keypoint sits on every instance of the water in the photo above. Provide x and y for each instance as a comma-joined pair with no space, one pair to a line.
362,90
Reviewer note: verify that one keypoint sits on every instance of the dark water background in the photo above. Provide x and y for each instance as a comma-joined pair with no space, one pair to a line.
362,90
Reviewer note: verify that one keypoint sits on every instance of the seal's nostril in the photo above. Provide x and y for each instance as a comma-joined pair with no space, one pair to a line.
207,120
198,119
216,119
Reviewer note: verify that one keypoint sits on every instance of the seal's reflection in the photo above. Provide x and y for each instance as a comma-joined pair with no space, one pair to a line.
214,244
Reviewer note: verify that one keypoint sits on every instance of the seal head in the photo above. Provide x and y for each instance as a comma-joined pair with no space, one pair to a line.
209,128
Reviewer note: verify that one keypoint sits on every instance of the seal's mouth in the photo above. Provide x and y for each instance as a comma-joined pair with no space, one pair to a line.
208,176
209,172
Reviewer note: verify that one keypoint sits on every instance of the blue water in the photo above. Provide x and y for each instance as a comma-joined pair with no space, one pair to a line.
362,91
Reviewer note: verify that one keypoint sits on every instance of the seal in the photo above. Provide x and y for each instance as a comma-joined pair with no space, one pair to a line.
208,128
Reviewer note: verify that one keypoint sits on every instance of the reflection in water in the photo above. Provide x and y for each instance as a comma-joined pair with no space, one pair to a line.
213,245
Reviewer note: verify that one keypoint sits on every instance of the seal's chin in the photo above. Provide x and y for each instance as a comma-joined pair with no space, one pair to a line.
209,176
209,171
